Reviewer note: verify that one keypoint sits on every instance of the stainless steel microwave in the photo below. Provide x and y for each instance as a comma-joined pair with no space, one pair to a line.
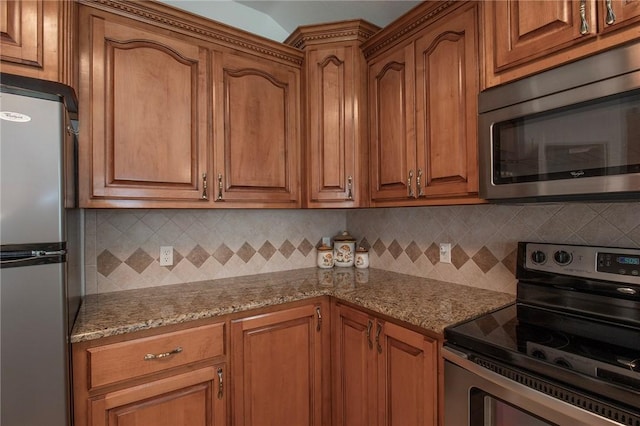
572,132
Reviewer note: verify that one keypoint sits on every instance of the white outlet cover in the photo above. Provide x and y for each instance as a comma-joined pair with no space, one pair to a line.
166,255
445,252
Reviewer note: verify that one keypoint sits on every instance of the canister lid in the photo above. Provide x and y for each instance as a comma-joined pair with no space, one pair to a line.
362,250
324,248
344,236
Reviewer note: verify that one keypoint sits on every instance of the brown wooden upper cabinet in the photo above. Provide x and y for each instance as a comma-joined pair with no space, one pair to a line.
423,91
37,39
334,99
178,111
256,136
524,37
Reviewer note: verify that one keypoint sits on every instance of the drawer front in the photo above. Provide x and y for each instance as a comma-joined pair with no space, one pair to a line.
121,361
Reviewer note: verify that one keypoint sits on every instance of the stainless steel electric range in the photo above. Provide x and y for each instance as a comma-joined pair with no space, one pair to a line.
566,353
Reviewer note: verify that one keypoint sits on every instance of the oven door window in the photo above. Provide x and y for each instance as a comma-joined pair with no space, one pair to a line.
594,138
487,410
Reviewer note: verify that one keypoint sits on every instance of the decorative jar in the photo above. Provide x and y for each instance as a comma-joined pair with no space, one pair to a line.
362,258
325,257
344,249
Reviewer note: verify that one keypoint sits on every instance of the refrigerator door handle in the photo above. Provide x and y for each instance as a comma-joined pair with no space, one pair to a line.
9,258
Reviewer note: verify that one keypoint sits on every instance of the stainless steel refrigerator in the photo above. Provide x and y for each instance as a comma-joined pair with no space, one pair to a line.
41,250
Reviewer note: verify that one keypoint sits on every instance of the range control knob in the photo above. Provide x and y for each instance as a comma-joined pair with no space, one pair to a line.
562,257
538,257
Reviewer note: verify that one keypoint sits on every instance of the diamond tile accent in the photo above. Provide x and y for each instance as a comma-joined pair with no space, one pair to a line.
413,251
287,249
305,247
433,253
223,254
177,258
364,243
267,250
485,259
510,261
379,247
139,260
395,249
458,256
246,252
198,256
107,263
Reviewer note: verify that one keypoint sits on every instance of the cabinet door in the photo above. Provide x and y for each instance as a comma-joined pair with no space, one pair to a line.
278,367
196,398
407,372
336,146
525,30
617,14
354,368
143,110
446,106
392,133
256,119
35,39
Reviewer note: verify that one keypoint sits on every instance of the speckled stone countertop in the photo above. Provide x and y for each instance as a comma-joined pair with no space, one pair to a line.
422,302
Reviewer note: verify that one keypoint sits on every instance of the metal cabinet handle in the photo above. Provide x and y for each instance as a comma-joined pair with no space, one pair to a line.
204,187
611,16
319,315
409,185
220,384
151,357
349,188
219,198
369,327
419,183
378,331
584,25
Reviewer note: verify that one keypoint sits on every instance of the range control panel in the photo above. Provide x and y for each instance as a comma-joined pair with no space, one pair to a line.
601,263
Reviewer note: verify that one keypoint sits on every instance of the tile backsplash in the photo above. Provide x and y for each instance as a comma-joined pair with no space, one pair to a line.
122,247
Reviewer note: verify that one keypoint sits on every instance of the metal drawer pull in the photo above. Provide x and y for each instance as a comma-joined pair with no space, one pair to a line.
409,186
584,25
319,314
219,187
204,187
379,346
150,357
611,16
350,188
220,385
419,183
369,326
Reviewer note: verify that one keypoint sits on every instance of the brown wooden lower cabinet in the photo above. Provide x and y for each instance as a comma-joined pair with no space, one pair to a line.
279,373
187,399
311,363
176,378
384,374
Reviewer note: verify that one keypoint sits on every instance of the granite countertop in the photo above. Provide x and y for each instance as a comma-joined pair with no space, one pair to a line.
426,303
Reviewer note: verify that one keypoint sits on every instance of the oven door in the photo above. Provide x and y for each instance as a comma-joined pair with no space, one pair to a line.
476,396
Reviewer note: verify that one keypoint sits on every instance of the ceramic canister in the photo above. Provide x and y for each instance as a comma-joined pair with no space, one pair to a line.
344,246
362,258
325,257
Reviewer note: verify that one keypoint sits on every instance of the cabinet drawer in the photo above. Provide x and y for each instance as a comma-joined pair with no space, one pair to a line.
126,360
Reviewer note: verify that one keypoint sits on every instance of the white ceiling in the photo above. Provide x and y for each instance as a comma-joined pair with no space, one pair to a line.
291,14
278,19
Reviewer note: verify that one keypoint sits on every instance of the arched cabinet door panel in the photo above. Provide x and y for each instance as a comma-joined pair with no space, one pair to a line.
256,136
143,111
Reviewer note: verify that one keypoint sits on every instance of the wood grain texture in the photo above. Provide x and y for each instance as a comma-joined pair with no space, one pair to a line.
278,371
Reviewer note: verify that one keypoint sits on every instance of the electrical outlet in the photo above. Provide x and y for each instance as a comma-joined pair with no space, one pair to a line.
445,252
166,255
